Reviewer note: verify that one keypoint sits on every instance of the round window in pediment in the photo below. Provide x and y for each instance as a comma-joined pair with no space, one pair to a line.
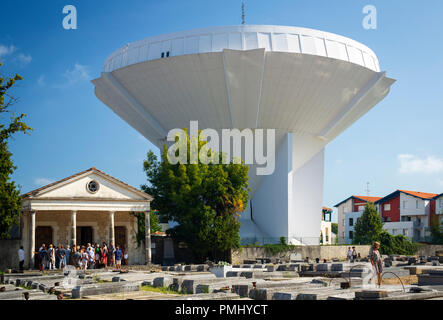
92,186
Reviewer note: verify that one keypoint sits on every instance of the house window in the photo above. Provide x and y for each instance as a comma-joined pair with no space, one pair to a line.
163,54
441,203
405,232
361,208
351,234
387,207
358,219
351,222
167,54
404,204
417,204
394,231
405,218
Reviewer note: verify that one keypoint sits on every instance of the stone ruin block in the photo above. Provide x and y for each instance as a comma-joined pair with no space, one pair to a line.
294,267
230,274
247,274
200,268
188,286
322,267
162,282
241,289
337,267
283,296
282,268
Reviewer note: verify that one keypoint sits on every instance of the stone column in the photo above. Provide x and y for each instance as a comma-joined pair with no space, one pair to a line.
148,237
73,228
111,228
32,239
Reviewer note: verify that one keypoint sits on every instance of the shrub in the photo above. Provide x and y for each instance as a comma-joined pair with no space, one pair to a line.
398,244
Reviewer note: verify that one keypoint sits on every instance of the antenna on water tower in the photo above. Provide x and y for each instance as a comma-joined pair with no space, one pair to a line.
242,12
367,188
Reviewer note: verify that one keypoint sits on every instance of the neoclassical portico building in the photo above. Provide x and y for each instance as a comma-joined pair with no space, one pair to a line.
87,207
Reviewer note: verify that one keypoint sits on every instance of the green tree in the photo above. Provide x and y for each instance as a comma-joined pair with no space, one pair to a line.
334,227
141,230
204,199
436,231
369,227
398,244
10,200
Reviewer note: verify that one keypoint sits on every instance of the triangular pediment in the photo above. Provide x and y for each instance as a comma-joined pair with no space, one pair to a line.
89,184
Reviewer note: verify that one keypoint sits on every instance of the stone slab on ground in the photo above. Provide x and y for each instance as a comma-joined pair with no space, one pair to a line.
208,296
430,279
102,288
370,294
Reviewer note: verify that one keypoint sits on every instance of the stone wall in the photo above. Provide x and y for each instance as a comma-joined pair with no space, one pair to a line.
429,250
9,254
313,252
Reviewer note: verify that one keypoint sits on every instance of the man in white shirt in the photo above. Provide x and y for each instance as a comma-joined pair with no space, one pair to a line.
349,255
21,258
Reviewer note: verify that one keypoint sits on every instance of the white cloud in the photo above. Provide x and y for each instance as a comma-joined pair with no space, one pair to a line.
41,81
78,74
413,164
6,50
24,59
42,181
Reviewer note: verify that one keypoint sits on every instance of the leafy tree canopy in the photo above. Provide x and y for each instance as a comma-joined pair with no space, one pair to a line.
204,199
10,201
369,227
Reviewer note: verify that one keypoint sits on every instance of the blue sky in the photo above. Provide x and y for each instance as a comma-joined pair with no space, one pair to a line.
398,144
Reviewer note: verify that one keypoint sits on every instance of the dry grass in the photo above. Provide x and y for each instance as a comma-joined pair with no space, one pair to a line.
407,280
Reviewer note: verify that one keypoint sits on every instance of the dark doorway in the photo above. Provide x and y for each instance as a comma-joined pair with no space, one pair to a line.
84,235
120,236
43,235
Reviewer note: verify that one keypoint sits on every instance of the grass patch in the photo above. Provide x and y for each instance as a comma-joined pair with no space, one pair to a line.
159,289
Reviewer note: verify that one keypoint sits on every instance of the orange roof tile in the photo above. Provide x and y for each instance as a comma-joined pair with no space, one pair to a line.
327,209
423,195
366,198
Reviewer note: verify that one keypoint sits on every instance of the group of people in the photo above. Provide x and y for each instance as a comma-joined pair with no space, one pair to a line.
93,256
352,254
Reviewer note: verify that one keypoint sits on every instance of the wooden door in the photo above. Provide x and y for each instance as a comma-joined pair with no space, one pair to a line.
43,235
120,237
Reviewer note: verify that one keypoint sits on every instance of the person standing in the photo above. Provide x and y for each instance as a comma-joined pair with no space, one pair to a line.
354,254
377,265
118,258
21,258
105,255
43,255
91,257
125,256
61,254
51,257
68,255
349,255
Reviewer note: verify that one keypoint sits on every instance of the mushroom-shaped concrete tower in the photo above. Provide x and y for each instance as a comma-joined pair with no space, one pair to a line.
308,85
